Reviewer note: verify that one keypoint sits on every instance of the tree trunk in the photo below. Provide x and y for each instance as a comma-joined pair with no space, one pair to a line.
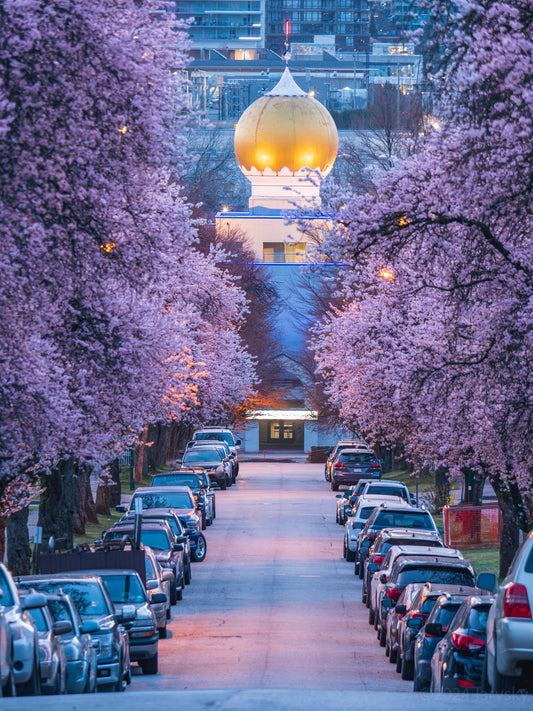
141,458
115,489
442,488
82,501
103,493
509,537
56,506
3,524
18,543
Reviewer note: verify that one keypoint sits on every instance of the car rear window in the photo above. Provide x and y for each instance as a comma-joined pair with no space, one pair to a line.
386,491
357,457
176,480
477,618
149,569
404,519
124,588
202,455
410,542
155,539
172,500
428,574
529,562
364,512
88,597
427,604
221,436
445,614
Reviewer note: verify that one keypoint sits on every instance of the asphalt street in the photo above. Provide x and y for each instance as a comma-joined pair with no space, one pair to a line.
274,604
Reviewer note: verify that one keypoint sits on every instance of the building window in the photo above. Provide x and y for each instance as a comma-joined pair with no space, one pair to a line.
284,253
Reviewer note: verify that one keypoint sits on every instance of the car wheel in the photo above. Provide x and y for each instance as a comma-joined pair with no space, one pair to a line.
350,555
334,486
371,616
214,510
33,686
382,636
361,571
485,686
204,523
398,661
149,666
200,550
9,687
179,593
387,649
173,594
356,567
162,632
187,574
502,684
223,485
417,684
407,670
121,683
363,597
393,656
168,614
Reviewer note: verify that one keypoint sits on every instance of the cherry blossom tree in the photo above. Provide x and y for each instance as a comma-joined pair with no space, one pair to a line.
433,344
109,316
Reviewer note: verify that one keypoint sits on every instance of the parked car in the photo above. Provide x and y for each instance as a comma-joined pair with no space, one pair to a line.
394,515
442,613
384,541
351,465
180,500
158,581
25,652
388,488
218,466
52,661
160,538
344,501
356,443
457,662
223,434
445,569
7,671
79,647
358,521
125,587
509,657
93,603
395,616
223,446
412,622
176,525
204,502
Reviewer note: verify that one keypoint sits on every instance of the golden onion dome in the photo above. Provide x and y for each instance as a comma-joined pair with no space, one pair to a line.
286,131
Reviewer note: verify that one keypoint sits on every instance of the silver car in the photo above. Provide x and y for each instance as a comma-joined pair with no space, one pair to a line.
25,636
509,650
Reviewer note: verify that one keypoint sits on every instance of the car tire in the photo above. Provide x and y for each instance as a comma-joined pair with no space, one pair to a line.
398,662
179,593
485,686
223,485
502,684
334,486
168,614
200,551
350,555
173,594
371,616
33,686
9,687
363,597
162,632
387,649
149,666
382,636
393,655
417,684
407,673
361,571
214,510
204,522
187,573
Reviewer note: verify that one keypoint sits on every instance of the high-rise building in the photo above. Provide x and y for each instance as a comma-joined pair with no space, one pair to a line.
311,21
224,24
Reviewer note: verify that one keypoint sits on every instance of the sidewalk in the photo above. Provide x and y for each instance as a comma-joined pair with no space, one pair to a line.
274,455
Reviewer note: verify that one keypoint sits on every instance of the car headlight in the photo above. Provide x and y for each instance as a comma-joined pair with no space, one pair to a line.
106,645
220,469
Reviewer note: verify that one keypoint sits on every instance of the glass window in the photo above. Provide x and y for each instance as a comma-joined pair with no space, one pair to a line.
88,597
155,539
202,455
39,619
172,500
7,598
124,588
448,576
176,480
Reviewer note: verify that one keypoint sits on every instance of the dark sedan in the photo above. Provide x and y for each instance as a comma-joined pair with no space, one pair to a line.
352,465
457,662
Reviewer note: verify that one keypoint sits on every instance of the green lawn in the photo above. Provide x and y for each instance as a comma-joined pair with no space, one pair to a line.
93,531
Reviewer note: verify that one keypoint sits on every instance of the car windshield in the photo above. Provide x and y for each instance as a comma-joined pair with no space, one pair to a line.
172,500
39,618
87,596
222,436
427,605
124,588
428,574
404,519
357,457
7,598
155,539
176,480
386,491
364,512
202,455
61,611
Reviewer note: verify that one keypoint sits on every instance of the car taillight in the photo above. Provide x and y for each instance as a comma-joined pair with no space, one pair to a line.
515,601
355,524
467,642
394,593
339,465
420,615
466,683
370,535
375,466
378,559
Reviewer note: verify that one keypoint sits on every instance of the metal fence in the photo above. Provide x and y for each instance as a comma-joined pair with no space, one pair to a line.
472,526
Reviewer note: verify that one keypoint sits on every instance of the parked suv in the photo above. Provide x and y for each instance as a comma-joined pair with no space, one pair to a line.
509,651
388,488
184,477
364,509
214,460
351,465
224,434
342,444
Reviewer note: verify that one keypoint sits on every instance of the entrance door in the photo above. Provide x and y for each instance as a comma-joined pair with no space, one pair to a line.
281,433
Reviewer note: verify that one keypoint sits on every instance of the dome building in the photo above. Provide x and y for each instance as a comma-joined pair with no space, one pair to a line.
285,144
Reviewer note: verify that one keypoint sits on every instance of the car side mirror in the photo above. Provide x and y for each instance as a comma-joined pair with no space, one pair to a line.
487,581
151,584
158,598
126,614
339,496
349,511
177,547
372,567
386,603
415,623
181,539
90,627
33,601
62,627
238,442
167,576
401,609
434,629
383,578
